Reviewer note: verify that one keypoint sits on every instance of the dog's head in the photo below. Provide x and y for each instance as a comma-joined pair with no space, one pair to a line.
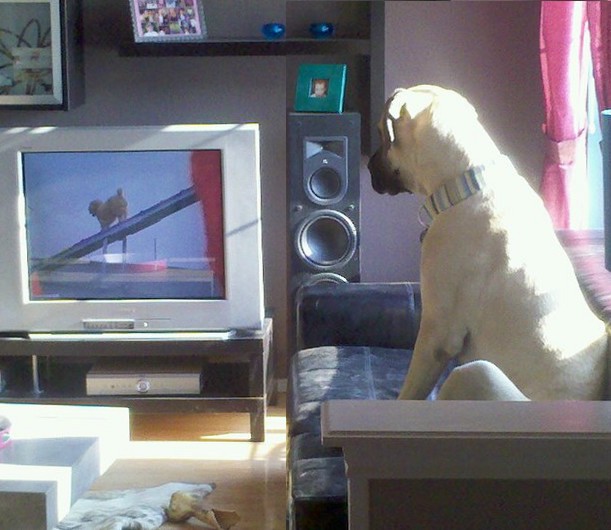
422,132
94,206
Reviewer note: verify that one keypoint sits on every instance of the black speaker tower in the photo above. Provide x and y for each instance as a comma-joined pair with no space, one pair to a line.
323,198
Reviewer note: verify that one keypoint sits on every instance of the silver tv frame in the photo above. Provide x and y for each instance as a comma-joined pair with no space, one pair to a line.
243,306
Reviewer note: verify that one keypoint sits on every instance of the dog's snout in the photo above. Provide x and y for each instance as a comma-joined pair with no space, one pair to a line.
383,178
372,161
375,172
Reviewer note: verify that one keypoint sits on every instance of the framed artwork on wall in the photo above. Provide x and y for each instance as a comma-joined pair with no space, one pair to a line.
39,54
320,88
168,20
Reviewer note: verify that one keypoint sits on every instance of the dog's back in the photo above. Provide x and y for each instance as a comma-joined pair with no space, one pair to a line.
117,204
517,291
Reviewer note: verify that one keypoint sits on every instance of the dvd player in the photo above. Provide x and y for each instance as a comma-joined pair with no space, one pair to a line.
153,378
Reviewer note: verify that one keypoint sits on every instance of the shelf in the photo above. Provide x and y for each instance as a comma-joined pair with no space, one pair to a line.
247,47
244,344
151,404
237,371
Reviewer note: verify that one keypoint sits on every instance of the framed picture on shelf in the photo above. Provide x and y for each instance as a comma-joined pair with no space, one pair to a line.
168,20
320,88
33,57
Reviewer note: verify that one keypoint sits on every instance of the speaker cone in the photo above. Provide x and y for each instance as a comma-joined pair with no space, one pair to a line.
326,239
325,277
325,185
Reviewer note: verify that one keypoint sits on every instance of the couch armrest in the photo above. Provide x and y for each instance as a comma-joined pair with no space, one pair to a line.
385,315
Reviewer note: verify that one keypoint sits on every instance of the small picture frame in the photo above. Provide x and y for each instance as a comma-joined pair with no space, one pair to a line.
320,88
168,20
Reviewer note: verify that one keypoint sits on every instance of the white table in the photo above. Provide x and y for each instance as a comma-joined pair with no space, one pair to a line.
395,449
57,452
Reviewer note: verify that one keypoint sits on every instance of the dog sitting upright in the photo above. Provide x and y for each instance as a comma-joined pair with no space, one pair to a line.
499,294
113,209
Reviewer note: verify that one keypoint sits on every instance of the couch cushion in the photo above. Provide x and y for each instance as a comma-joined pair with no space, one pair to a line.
386,315
322,479
344,372
308,445
314,504
341,372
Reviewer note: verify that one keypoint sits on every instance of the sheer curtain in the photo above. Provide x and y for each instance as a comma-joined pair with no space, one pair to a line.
566,30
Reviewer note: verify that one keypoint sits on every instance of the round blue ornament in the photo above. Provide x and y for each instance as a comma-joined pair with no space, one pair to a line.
322,30
273,30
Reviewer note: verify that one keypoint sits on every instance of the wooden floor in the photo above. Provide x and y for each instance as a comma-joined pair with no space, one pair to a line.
195,448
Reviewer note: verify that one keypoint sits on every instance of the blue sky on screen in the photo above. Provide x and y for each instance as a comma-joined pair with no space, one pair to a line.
60,186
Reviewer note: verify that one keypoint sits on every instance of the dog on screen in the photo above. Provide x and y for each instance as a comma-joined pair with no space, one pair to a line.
109,211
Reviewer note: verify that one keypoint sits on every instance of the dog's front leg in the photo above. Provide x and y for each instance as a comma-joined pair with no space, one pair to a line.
435,346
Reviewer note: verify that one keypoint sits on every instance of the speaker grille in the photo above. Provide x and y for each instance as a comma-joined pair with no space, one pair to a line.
326,239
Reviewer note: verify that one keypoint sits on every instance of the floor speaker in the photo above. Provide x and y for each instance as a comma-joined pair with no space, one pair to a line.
324,198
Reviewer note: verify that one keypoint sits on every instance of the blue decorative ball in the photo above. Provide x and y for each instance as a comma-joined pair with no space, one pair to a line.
273,30
322,30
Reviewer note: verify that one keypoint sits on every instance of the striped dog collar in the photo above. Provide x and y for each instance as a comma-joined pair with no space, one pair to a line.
455,191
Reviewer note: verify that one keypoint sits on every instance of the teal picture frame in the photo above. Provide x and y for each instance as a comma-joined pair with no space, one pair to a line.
320,88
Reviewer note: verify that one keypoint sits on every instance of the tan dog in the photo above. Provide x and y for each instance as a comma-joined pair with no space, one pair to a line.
498,291
114,209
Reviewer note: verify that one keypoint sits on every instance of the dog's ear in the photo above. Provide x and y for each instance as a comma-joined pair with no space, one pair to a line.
409,103
404,106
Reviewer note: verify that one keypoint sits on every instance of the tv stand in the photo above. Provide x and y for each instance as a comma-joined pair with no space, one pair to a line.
52,369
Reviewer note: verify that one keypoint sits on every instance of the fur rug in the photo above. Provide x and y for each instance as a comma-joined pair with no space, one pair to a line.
135,509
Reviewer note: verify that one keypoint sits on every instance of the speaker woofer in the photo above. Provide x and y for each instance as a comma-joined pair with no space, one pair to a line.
325,277
326,239
330,278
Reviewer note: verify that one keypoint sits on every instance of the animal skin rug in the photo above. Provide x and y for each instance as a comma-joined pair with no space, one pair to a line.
134,509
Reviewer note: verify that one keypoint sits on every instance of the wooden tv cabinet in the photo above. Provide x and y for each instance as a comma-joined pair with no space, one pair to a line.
237,372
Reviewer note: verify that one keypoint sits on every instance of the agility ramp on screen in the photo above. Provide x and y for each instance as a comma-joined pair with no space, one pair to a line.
121,230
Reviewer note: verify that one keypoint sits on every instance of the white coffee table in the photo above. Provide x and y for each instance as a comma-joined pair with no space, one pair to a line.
57,451
396,449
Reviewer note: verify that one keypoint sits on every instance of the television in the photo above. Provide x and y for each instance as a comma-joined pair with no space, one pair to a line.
130,230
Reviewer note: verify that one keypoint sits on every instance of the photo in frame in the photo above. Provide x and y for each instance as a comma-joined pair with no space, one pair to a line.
320,88
168,20
30,53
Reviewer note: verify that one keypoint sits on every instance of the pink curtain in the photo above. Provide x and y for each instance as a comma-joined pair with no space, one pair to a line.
599,20
564,71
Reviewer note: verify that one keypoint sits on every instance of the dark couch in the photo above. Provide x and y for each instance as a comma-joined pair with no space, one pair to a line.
354,342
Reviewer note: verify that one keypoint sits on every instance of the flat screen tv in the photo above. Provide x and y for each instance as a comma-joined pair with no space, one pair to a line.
130,229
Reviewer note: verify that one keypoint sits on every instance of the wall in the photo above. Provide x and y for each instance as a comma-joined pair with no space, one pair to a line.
155,91
488,51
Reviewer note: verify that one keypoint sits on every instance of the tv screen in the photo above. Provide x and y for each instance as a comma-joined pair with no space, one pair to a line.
105,225
130,229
